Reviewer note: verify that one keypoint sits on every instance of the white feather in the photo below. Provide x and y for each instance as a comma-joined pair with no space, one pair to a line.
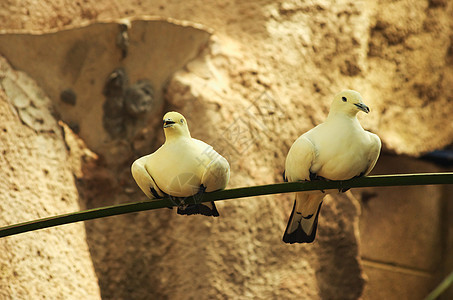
338,149
181,165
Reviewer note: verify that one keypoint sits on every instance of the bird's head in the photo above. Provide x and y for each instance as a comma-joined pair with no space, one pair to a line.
175,125
348,102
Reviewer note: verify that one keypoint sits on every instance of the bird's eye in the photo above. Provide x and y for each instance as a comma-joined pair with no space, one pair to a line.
344,99
182,121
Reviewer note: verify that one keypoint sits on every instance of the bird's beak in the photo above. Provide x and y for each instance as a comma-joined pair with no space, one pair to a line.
168,122
362,107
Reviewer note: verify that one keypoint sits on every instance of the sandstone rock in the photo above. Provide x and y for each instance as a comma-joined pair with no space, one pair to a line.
266,74
36,182
81,60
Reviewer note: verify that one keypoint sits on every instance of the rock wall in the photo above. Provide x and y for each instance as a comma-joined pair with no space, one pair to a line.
267,74
36,182
404,233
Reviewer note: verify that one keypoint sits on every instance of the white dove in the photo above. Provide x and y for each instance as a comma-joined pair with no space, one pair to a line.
182,167
338,149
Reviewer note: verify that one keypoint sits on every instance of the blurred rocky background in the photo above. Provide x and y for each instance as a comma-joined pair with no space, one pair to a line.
84,85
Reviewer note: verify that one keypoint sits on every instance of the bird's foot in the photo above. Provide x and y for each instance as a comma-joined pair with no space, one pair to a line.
157,196
199,195
177,201
181,201
314,176
206,209
342,190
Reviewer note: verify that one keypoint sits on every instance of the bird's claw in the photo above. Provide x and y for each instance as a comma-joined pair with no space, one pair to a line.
177,201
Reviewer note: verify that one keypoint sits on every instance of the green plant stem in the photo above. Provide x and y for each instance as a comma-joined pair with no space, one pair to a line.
372,181
442,287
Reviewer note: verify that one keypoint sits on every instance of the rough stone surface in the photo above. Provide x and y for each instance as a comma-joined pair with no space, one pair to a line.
85,59
35,183
393,283
267,75
403,225
448,246
404,233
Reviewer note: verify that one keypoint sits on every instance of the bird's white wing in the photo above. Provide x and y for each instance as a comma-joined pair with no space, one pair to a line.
299,160
144,179
216,169
216,175
375,150
303,220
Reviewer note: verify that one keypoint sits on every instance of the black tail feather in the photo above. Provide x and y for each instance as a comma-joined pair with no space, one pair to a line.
299,235
198,209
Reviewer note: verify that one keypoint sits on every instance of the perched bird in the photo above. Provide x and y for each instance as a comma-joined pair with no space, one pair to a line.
182,167
338,149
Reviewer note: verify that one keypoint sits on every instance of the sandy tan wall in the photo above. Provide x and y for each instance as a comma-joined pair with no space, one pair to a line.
266,74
